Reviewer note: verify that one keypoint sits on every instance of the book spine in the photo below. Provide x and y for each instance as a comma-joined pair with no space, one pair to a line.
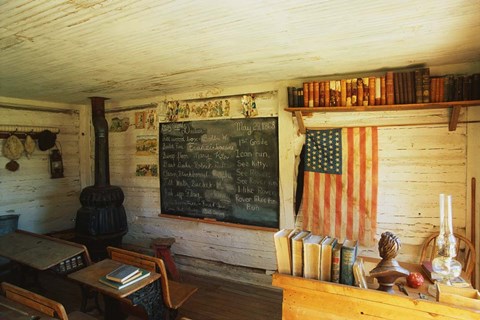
411,87
418,86
333,97
441,86
327,93
322,94
348,256
383,91
476,86
371,91
389,88
378,91
366,93
335,276
396,86
316,94
354,92
433,90
426,84
349,92
360,93
290,96
310,95
300,100
467,88
343,88
295,97
338,93
305,94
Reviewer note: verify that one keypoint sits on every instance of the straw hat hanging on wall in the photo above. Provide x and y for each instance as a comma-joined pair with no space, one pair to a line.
13,150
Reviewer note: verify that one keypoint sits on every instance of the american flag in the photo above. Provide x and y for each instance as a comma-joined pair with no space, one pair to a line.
340,183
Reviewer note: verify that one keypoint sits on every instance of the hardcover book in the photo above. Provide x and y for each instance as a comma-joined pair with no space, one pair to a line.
311,252
311,94
322,94
335,274
366,93
426,84
316,94
378,91
327,93
360,93
122,273
297,253
389,88
383,91
343,91
141,275
326,258
349,92
283,251
305,94
354,92
347,259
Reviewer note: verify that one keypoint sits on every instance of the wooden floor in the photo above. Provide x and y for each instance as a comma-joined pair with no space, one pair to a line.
216,299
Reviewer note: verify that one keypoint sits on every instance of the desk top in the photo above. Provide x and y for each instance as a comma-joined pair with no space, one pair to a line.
35,250
90,276
12,310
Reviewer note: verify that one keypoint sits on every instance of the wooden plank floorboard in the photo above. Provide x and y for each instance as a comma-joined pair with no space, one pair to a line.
216,299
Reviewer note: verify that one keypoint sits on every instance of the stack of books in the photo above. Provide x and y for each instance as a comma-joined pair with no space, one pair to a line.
303,254
124,276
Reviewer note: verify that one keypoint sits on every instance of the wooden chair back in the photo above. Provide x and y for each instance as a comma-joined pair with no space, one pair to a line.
143,261
35,301
465,252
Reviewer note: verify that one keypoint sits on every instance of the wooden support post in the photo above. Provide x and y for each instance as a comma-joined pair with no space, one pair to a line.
301,126
452,126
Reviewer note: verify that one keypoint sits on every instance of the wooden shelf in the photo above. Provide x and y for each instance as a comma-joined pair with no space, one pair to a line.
454,105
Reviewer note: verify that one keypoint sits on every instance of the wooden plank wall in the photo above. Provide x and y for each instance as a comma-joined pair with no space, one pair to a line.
43,204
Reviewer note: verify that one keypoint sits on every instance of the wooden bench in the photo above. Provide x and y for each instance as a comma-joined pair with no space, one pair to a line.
174,293
40,303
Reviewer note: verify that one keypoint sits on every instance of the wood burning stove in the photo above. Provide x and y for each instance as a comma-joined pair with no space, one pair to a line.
101,221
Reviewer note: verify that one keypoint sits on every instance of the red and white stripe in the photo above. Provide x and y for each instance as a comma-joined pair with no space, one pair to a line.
345,206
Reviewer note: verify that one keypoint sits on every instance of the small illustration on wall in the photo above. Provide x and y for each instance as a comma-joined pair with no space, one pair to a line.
146,145
172,111
249,106
151,120
119,125
146,170
140,120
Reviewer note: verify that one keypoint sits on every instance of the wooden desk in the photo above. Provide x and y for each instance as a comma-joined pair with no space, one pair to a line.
146,292
41,252
315,299
11,310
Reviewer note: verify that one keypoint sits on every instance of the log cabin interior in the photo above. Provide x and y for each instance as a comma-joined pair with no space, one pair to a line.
120,76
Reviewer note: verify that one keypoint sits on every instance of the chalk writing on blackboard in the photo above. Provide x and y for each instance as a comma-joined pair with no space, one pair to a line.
226,170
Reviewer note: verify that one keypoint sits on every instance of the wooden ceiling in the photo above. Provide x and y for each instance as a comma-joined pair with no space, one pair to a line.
67,50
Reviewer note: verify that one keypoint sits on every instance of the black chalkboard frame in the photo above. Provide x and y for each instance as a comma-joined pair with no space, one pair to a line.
265,129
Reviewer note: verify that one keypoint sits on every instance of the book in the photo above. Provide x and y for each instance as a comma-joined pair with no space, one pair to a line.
290,96
316,94
327,93
378,90
343,92
359,274
122,273
297,253
348,102
418,86
389,88
322,94
360,93
326,258
116,285
310,95
347,259
427,270
366,93
311,253
335,274
354,91
383,91
305,95
283,250
426,84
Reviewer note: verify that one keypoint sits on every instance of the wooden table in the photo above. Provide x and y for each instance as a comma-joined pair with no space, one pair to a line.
11,310
146,292
41,252
315,299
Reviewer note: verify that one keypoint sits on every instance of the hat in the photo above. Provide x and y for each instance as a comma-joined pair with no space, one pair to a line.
13,148
46,140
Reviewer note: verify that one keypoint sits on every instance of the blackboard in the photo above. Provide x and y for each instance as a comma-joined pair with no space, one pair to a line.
222,170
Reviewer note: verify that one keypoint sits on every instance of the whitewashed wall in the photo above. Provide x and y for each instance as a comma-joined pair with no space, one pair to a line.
419,158
43,204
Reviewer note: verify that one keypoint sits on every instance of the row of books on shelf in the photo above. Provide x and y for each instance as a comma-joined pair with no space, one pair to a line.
303,254
407,87
123,276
